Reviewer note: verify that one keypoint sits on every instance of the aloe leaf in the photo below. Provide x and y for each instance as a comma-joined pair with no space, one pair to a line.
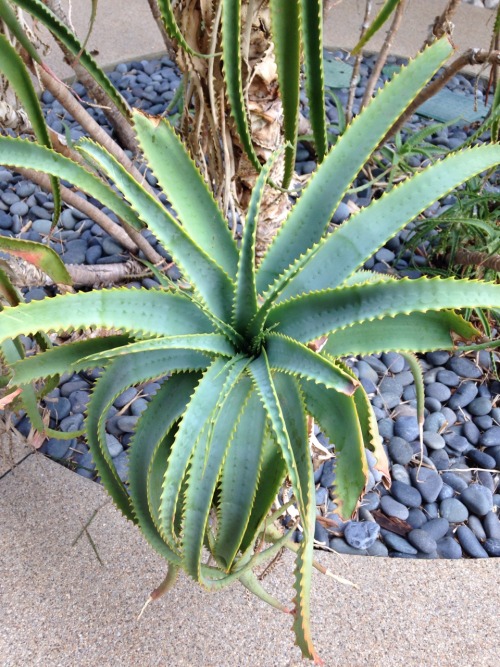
245,298
8,291
231,55
288,356
376,24
239,480
312,38
186,190
209,280
371,436
294,413
418,332
15,71
60,359
251,582
212,344
167,15
141,311
164,409
62,33
93,14
39,255
350,245
198,412
321,313
118,376
23,153
205,468
272,473
418,377
11,352
312,213
263,380
285,25
8,15
338,417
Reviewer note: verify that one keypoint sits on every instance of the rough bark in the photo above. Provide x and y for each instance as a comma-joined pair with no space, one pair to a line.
475,258
210,133
120,124
24,274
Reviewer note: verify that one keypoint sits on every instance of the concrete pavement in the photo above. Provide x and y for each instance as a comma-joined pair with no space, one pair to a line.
60,607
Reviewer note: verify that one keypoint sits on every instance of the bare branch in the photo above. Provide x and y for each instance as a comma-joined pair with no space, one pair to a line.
469,57
442,24
383,53
475,258
118,121
357,63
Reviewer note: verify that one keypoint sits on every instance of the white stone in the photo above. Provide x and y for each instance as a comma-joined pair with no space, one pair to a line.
491,4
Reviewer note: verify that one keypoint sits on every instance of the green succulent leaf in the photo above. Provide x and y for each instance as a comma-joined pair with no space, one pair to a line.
61,32
417,332
286,355
10,19
245,298
154,425
317,314
119,375
418,377
338,417
293,409
209,280
39,255
376,24
66,357
23,153
141,311
351,244
312,39
239,480
371,436
14,70
168,18
231,55
285,23
272,474
311,214
201,407
211,344
186,190
8,291
261,374
206,463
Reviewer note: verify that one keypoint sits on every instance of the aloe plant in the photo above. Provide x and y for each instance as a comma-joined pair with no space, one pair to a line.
251,352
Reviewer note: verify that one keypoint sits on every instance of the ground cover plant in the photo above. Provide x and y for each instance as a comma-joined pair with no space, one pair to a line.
253,351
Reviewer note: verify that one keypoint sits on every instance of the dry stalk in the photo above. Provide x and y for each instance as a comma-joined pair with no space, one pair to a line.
442,24
357,63
118,121
469,57
383,53
475,258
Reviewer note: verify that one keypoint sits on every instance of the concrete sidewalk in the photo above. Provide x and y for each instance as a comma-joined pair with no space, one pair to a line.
59,607
127,31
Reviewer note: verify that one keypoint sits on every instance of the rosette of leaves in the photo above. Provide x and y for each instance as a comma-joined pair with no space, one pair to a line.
250,351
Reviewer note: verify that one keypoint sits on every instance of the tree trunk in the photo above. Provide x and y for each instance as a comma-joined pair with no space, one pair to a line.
209,131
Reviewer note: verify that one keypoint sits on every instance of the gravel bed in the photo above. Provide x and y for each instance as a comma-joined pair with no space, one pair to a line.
443,504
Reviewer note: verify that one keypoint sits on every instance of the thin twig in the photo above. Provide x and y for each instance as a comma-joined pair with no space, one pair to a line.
442,24
383,53
357,64
469,57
